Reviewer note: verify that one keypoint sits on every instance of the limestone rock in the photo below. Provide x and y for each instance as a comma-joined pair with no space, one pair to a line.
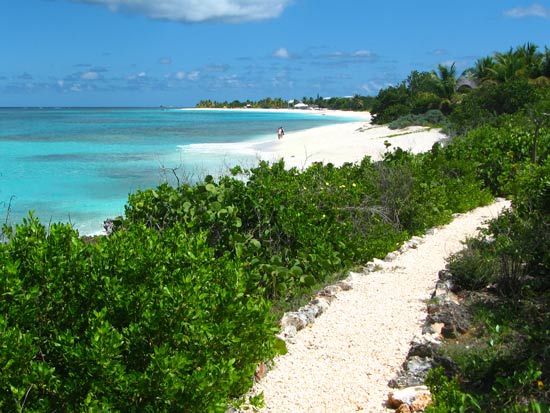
445,275
433,330
421,401
392,256
372,266
406,396
404,408
287,333
413,372
443,292
310,312
345,286
378,263
321,303
454,316
108,226
294,319
329,292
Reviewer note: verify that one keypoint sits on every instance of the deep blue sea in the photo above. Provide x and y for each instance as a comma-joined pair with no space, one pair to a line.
79,165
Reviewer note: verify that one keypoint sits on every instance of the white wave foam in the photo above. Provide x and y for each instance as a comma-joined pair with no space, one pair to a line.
247,148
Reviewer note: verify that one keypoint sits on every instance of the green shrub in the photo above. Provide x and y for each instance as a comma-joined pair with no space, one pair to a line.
432,117
447,396
144,321
473,268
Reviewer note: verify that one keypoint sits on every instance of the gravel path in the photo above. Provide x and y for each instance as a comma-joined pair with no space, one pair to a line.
343,362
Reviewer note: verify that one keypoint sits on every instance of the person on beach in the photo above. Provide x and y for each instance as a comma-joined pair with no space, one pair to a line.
280,132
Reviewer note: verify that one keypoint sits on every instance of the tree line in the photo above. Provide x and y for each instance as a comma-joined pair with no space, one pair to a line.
355,103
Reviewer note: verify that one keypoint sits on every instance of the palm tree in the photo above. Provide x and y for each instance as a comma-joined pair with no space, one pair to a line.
545,63
530,59
483,70
508,66
357,103
446,81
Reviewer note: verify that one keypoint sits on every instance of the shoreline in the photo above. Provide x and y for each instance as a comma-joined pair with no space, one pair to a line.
337,143
313,112
346,142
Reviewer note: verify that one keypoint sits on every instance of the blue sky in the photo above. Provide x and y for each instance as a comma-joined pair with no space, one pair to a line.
177,52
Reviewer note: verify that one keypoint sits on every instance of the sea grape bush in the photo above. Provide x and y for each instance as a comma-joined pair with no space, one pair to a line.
299,227
145,320
432,117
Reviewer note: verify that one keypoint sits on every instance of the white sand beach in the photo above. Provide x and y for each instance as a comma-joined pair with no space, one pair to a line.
337,143
345,142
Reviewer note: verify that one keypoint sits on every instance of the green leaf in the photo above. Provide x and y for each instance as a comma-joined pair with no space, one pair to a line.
280,347
308,280
296,270
211,188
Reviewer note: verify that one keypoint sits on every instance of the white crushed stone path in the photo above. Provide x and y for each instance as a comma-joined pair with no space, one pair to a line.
343,361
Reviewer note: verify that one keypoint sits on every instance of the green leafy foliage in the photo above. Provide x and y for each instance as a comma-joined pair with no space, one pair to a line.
447,395
174,310
144,321
432,117
503,362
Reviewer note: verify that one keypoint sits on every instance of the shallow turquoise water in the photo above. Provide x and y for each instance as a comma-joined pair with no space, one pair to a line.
79,165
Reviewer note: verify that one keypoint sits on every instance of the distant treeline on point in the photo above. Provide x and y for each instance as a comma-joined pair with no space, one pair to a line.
355,103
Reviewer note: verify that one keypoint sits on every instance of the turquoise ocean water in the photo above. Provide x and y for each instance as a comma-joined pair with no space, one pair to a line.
79,165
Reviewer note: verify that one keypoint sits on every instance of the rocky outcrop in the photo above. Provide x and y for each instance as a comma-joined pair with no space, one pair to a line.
294,321
446,319
411,399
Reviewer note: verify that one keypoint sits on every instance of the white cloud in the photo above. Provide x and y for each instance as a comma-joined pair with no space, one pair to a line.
439,52
359,56
165,61
233,11
374,86
137,76
534,10
194,75
89,75
181,75
362,53
281,53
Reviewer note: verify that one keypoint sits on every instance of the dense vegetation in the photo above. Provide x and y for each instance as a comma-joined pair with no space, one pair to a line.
503,363
357,103
498,84
498,116
173,311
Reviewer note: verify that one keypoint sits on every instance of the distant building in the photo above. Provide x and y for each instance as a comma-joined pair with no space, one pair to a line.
463,84
301,105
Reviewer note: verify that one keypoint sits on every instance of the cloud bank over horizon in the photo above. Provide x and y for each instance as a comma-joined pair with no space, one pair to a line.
196,11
